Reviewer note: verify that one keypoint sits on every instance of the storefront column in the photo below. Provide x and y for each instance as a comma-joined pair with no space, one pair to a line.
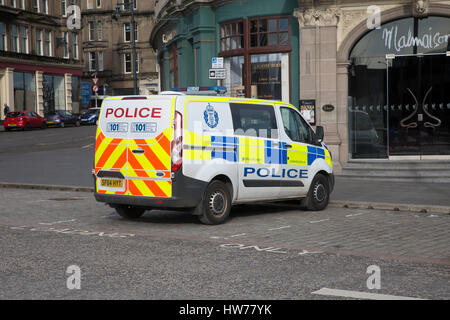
318,71
39,92
68,83
6,89
342,111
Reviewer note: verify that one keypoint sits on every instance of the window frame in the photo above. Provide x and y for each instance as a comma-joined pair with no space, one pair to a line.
92,62
24,40
236,106
91,31
39,42
75,47
312,135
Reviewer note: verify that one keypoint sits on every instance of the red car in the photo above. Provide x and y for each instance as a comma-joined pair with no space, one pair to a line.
24,120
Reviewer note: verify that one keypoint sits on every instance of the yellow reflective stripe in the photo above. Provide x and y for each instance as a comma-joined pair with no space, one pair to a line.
192,138
166,187
197,154
251,150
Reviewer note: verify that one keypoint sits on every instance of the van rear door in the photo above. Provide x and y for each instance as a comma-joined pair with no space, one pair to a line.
143,129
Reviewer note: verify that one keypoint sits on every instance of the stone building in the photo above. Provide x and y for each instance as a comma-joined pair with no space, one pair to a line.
373,73
40,65
107,46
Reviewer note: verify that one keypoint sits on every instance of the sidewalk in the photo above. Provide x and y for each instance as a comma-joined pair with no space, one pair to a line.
408,193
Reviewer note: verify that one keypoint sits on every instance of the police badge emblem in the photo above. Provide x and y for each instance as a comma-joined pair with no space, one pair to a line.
211,116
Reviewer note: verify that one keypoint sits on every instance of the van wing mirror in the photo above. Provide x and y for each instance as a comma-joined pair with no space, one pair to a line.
319,133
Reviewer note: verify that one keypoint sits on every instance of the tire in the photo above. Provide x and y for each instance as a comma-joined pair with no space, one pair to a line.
129,212
62,125
318,194
216,203
7,129
43,126
77,124
27,127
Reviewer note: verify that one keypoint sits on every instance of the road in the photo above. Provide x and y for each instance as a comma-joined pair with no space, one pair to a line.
60,156
263,252
66,156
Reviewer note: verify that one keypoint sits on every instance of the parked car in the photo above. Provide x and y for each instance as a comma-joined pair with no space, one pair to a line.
24,120
60,118
90,116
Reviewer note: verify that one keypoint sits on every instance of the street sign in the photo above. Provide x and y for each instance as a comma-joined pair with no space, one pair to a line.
95,80
217,74
95,88
217,63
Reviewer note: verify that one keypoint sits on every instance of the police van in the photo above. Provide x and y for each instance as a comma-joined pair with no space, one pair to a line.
205,154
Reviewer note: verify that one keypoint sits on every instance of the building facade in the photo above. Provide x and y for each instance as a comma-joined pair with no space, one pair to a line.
258,40
40,66
373,73
107,46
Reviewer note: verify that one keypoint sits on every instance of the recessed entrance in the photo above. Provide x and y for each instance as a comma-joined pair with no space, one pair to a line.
418,105
399,90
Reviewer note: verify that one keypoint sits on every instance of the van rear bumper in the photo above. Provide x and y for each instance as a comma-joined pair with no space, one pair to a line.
186,193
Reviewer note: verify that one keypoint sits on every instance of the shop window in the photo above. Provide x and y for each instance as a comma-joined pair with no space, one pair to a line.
24,91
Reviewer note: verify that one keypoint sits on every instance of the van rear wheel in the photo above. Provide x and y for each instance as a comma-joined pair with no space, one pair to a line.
318,194
216,204
129,212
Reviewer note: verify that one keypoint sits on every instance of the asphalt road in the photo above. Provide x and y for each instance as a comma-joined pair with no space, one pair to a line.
59,156
263,252
65,156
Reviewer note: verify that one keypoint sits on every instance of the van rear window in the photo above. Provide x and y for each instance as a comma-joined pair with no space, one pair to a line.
254,120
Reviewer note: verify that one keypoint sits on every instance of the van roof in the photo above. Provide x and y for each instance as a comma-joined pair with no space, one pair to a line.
203,97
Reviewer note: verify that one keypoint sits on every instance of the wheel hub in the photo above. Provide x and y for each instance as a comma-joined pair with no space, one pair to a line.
217,203
319,192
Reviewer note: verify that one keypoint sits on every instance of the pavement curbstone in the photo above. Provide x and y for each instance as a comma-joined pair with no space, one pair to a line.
416,208
45,187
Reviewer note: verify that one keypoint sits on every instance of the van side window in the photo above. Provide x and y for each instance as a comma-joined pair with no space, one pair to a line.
254,120
295,126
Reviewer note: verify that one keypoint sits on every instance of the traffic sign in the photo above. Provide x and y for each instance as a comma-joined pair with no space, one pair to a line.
217,63
95,88
217,74
95,80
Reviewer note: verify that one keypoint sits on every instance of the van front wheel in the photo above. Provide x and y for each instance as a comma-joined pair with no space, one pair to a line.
216,205
129,212
318,194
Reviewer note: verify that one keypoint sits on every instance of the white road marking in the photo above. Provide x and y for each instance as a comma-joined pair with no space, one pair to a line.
354,215
257,248
308,252
237,235
87,146
279,228
360,295
56,222
319,221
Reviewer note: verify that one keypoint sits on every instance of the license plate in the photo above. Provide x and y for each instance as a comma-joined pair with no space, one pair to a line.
51,122
112,183
12,125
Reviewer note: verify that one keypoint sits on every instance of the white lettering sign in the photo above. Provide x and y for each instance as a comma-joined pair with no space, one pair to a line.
430,40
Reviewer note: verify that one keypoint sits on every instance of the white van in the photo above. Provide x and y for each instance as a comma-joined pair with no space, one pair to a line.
205,154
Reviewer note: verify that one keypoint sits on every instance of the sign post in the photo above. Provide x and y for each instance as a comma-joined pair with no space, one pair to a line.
217,72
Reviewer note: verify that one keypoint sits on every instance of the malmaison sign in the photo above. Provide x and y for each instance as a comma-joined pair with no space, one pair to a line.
397,41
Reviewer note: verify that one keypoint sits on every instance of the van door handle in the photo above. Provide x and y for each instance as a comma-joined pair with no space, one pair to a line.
138,151
288,146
